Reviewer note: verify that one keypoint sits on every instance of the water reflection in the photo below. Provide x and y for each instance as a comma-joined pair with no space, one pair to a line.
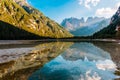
19,63
78,61
84,49
114,51
82,61
112,48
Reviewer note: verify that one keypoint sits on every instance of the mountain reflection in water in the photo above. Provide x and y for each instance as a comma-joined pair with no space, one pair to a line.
60,61
82,61
18,63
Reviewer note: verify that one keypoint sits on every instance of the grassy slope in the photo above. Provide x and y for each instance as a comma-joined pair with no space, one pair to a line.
34,22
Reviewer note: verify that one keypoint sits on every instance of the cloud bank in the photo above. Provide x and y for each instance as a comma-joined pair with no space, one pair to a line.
107,12
89,3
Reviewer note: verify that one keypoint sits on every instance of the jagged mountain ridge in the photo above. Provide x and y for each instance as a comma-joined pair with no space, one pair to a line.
23,16
82,27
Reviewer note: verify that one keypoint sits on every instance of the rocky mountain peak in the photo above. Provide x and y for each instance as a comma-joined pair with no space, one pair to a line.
25,5
78,23
21,2
89,19
82,27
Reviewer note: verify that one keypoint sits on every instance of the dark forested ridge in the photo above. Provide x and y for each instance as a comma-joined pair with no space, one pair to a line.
112,30
107,32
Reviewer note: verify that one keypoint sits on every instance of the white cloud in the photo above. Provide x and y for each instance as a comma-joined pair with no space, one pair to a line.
89,3
107,12
80,2
95,2
117,5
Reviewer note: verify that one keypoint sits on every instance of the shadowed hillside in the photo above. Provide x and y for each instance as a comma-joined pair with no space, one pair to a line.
8,31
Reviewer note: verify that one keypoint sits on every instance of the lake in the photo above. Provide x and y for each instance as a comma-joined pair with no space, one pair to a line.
35,60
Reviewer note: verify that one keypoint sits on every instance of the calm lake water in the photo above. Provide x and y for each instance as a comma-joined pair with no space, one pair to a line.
60,61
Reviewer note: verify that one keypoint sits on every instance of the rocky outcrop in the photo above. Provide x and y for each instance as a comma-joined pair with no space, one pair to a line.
82,27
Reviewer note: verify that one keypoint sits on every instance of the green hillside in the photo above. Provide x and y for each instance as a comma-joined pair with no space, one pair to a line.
28,19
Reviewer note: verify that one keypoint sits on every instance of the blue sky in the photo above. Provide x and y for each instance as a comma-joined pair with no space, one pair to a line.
61,9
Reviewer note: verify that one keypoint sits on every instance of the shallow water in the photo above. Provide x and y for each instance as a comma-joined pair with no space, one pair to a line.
62,61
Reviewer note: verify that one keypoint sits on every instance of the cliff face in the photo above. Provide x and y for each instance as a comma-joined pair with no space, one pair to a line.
82,27
19,14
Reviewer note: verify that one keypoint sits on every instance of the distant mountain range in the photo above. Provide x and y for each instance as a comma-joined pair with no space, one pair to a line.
82,27
18,20
112,30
